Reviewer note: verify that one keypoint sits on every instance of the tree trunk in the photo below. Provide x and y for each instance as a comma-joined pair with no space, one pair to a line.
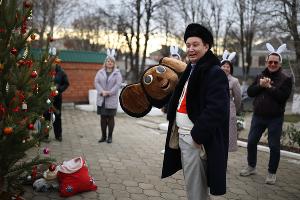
296,95
137,51
1,183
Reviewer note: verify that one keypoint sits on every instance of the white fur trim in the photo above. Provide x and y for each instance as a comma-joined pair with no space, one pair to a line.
71,166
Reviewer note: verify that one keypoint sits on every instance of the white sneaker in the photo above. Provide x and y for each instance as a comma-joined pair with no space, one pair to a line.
248,171
271,179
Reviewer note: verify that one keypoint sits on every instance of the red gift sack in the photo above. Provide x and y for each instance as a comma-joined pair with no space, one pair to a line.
73,177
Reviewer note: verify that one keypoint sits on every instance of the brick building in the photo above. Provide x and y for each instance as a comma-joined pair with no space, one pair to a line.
81,68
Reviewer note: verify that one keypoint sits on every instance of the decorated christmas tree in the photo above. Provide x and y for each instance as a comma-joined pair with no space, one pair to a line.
26,92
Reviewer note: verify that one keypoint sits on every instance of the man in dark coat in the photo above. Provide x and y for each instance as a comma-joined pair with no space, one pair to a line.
62,83
271,90
198,114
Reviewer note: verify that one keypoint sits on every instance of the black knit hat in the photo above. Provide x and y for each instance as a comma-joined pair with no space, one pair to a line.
197,30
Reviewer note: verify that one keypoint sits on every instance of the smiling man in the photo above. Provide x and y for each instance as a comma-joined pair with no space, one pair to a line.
198,114
271,90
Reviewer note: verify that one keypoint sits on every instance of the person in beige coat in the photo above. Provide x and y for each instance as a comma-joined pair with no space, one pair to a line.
235,98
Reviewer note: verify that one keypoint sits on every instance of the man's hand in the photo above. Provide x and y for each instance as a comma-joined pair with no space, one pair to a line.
265,82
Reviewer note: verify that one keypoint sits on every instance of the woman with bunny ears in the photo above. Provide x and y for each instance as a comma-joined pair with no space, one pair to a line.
235,98
174,52
107,83
271,90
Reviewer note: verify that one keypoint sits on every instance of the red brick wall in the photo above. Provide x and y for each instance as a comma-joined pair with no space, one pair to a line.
81,77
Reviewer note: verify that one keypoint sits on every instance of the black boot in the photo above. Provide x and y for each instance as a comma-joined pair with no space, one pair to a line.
103,138
103,124
109,139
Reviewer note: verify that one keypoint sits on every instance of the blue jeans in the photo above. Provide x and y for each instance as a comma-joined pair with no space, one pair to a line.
258,126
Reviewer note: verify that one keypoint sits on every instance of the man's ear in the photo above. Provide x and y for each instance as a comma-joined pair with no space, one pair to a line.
133,100
177,65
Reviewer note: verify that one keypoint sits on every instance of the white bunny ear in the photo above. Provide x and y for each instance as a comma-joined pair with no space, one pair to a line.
108,52
270,47
113,52
231,56
225,54
175,49
171,50
281,49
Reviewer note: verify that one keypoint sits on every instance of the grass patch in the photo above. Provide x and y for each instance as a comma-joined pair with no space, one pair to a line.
292,118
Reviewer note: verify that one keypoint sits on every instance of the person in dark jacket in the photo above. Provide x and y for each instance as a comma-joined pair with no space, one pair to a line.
198,114
62,83
271,90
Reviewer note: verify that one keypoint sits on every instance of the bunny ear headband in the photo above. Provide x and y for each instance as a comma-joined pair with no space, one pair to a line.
111,53
280,49
174,51
228,56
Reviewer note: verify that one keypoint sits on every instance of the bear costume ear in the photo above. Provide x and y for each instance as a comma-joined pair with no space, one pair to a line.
133,100
177,65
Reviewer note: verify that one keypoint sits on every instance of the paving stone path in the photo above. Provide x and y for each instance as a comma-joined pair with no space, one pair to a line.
130,167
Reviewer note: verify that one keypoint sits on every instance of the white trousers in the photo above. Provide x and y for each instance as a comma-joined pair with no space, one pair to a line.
194,169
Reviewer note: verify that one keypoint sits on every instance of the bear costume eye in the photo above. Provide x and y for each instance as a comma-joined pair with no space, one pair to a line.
160,69
148,79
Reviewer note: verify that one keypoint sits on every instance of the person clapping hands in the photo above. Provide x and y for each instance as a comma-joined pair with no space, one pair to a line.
265,82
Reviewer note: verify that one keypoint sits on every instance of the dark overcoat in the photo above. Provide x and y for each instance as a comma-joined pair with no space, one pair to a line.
207,103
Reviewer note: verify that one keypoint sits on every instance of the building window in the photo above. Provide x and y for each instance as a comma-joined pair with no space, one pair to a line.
261,61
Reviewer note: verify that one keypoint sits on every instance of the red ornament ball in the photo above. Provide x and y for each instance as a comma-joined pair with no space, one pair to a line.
52,167
54,93
30,126
14,51
33,74
46,150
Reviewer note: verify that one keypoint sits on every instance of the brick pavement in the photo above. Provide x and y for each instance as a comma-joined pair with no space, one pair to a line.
130,167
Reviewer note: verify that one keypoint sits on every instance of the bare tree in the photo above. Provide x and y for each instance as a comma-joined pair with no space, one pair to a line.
51,13
139,16
191,10
150,7
125,27
129,25
248,24
166,21
227,29
215,22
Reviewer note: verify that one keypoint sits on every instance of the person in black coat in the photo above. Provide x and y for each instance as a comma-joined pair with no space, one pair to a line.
62,83
198,114
271,90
